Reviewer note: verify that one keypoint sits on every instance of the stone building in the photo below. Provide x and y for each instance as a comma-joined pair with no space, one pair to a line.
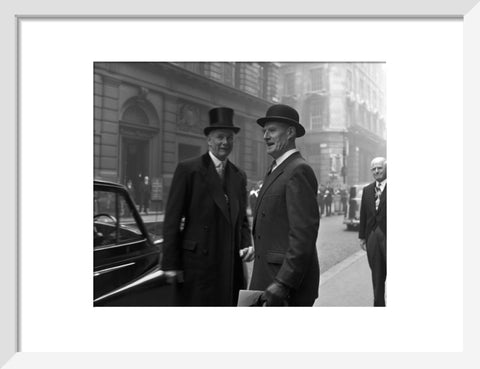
149,116
342,106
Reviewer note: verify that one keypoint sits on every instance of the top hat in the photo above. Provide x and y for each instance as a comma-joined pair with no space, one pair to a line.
285,114
221,118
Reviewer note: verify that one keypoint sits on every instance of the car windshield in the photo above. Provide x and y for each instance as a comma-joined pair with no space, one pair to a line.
113,219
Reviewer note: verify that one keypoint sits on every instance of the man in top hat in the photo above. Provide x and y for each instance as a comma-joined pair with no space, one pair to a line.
286,217
206,229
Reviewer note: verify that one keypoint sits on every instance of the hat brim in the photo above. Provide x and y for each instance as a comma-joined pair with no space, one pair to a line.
209,129
299,128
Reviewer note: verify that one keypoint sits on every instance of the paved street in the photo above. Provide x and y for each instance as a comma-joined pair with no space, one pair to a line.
334,242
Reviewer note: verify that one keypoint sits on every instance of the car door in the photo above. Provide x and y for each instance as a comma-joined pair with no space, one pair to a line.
122,248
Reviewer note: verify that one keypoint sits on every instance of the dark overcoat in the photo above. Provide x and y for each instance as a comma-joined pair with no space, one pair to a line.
205,226
285,228
369,216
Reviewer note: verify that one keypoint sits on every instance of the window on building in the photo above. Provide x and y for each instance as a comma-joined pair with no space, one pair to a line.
229,73
262,83
192,67
214,71
361,87
349,115
349,81
289,84
316,79
316,115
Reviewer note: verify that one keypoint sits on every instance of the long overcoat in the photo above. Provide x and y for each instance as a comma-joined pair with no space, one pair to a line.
285,228
205,226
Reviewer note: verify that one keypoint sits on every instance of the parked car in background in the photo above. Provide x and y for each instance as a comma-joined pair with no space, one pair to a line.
126,270
352,218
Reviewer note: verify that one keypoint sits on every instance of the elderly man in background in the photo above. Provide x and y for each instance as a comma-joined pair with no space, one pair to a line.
373,227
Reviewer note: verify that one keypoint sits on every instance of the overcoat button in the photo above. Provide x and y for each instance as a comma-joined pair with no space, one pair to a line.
204,252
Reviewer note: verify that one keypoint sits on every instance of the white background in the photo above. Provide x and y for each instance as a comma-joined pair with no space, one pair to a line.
424,142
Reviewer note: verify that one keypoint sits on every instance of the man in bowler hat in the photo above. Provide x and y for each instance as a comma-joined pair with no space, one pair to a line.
373,227
286,217
206,229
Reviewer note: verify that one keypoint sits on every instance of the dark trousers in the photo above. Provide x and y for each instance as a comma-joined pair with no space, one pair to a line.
377,259
329,208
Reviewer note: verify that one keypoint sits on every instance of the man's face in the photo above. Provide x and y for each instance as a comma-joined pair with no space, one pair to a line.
220,142
276,135
379,170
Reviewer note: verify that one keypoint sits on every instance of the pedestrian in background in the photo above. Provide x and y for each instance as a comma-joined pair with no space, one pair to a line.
145,194
344,200
328,200
321,199
138,190
208,195
286,219
373,227
131,190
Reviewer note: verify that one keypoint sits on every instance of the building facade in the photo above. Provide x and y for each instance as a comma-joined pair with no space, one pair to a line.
342,106
150,116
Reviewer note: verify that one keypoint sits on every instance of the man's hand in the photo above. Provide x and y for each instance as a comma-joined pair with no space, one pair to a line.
247,254
174,276
276,295
363,244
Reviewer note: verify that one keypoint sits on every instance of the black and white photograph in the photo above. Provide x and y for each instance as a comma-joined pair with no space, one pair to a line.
240,184
238,162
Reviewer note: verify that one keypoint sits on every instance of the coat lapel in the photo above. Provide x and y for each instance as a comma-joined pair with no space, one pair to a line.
214,185
232,178
270,179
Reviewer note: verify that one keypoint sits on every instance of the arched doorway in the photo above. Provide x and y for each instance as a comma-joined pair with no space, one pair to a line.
138,128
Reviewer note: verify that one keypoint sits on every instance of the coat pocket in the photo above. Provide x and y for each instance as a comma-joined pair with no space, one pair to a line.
189,245
275,257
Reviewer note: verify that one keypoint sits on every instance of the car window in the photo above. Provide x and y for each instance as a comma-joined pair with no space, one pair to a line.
113,221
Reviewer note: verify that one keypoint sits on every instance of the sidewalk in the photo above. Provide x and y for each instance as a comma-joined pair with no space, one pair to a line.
348,283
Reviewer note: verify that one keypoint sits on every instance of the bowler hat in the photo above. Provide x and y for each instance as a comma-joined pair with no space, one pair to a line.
221,118
285,114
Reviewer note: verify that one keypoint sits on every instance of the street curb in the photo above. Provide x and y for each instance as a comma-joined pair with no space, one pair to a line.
337,268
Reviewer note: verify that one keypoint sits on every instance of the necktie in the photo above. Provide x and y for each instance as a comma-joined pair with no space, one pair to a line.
221,169
274,163
378,192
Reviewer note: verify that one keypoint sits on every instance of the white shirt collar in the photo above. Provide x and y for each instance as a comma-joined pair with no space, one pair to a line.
217,161
284,157
381,184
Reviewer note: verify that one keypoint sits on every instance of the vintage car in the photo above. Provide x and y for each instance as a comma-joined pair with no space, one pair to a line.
352,218
126,257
